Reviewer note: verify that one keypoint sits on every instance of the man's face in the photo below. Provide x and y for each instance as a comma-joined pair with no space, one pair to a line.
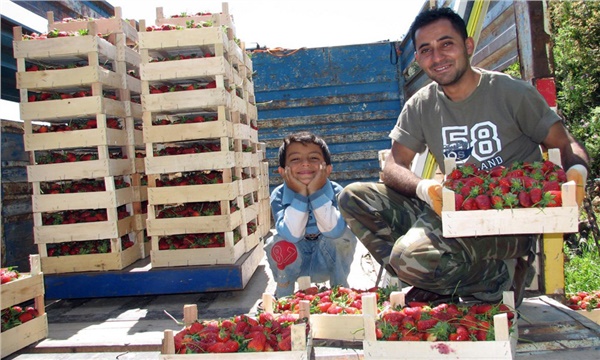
304,161
442,53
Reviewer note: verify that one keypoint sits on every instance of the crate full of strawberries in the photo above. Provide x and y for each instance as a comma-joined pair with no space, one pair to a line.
266,336
24,320
518,198
443,331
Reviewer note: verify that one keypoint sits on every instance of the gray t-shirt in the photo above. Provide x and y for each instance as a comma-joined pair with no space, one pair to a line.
504,120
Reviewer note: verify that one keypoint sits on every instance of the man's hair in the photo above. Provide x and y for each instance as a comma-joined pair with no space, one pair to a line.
428,16
303,137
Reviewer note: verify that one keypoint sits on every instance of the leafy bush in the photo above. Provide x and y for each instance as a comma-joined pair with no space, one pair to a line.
576,38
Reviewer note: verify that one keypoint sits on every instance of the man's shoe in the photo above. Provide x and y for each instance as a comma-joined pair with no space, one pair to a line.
416,294
524,273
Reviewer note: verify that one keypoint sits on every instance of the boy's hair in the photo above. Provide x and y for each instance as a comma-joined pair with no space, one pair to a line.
303,137
428,16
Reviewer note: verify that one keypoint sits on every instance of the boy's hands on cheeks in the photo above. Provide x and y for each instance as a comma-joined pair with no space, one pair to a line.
316,183
292,182
320,178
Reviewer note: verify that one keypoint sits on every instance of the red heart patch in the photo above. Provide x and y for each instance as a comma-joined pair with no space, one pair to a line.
284,253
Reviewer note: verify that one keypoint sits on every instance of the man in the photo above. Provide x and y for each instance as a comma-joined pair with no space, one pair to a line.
479,117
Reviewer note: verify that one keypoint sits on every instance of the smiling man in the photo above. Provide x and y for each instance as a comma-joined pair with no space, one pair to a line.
478,117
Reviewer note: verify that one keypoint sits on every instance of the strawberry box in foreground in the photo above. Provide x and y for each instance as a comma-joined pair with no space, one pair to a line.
503,347
28,287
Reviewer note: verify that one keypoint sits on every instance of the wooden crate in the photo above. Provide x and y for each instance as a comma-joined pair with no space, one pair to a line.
193,225
82,170
84,200
190,162
504,347
187,132
301,344
195,193
197,69
593,315
105,26
187,101
30,286
75,139
178,42
563,219
71,108
115,260
111,229
229,254
224,18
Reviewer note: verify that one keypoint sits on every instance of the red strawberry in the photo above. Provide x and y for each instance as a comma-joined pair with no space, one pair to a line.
258,342
469,204
551,185
426,324
483,202
536,195
556,198
525,199
285,344
458,201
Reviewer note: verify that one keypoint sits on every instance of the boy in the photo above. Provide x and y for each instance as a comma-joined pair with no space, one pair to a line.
311,237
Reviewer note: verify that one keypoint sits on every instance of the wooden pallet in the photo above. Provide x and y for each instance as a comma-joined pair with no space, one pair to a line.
29,287
549,220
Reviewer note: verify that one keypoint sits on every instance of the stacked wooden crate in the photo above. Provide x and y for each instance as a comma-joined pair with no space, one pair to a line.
199,127
26,290
81,85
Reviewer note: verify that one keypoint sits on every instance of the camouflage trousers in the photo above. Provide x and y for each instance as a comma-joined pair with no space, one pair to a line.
405,235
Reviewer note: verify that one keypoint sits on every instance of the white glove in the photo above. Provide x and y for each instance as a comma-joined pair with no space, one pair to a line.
430,191
578,173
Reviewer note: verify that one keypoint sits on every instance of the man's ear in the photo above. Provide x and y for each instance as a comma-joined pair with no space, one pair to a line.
470,45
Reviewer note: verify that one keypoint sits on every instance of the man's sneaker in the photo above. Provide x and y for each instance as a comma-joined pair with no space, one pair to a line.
524,274
416,294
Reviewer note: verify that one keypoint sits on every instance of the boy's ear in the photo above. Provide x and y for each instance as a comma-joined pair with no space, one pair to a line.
329,168
281,171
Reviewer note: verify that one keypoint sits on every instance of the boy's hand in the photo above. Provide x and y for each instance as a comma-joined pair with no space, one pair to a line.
320,179
293,183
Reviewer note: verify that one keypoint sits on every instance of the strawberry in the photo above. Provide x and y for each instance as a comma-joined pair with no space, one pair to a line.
536,195
469,204
483,202
258,342
461,334
458,201
285,344
426,324
556,198
525,199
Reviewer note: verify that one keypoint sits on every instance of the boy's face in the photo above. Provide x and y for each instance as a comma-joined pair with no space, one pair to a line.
304,161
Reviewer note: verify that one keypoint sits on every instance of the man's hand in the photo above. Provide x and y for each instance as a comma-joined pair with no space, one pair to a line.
430,191
578,173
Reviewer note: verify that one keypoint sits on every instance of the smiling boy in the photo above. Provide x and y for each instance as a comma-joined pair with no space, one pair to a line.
312,238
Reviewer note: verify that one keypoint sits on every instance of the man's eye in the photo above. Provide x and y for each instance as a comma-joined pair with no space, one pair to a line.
424,51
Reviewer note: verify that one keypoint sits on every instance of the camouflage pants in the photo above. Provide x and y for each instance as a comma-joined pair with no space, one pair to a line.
405,235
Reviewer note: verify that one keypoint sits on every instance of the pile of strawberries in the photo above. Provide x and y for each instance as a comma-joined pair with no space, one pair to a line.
86,247
520,185
584,300
9,274
337,300
111,123
444,322
17,315
79,186
241,333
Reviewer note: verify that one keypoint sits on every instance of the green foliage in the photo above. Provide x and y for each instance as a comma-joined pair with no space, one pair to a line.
581,269
576,38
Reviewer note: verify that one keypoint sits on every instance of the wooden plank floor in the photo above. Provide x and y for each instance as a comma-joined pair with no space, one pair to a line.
131,328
